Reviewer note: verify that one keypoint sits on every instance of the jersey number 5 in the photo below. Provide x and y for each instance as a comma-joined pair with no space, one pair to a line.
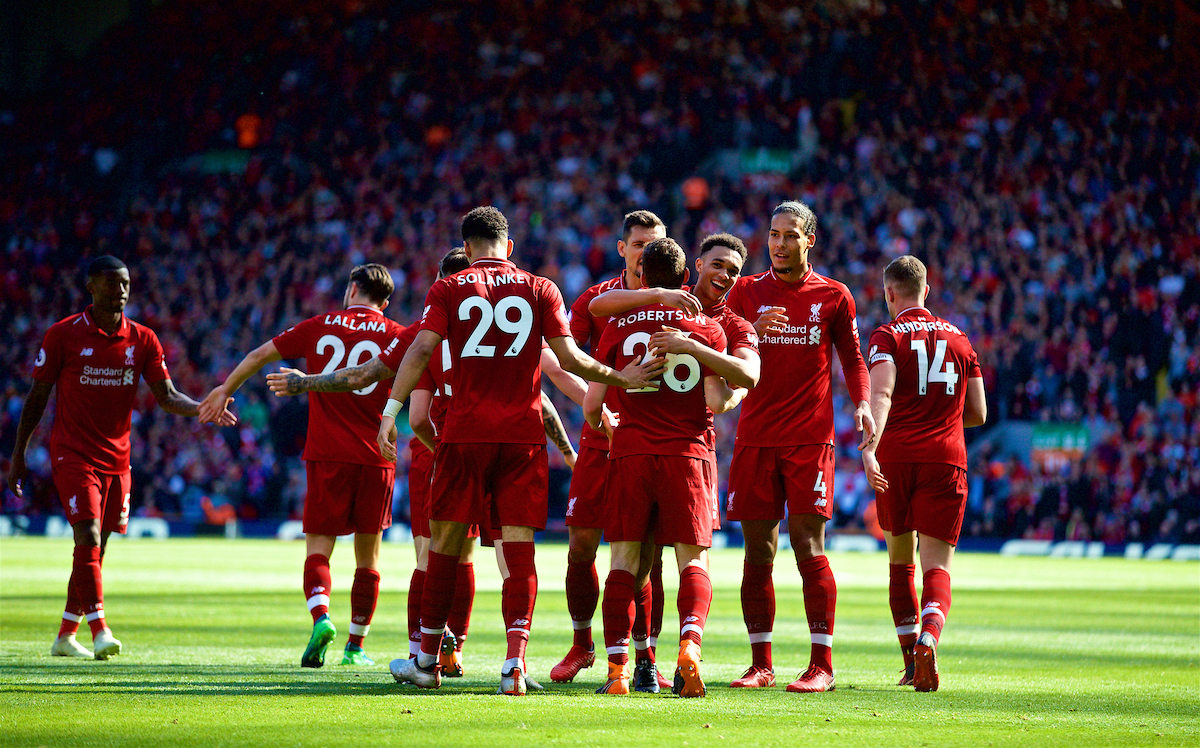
362,351
928,373
674,360
501,317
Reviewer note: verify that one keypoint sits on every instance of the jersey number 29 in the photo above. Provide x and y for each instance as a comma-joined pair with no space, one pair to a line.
500,316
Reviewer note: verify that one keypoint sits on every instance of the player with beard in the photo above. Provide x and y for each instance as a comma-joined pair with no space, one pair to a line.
783,455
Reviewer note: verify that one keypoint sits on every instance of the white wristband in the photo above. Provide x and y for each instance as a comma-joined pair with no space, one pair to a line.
392,409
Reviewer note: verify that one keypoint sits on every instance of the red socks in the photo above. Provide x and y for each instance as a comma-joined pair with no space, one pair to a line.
618,611
758,610
695,597
657,603
583,592
935,601
416,590
820,601
464,599
364,593
317,584
89,589
902,597
520,594
643,602
436,600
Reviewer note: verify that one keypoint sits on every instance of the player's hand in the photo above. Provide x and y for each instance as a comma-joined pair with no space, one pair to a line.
772,320
680,299
642,371
571,458
865,422
16,474
215,407
671,340
386,438
609,421
871,466
286,382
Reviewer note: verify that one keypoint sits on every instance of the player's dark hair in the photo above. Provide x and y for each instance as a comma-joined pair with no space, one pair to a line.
643,218
103,264
484,223
664,264
729,241
808,219
907,275
374,280
454,261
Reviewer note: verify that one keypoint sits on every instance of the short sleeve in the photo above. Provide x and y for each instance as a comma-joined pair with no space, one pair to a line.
426,381
882,348
49,359
393,353
606,349
293,342
581,319
733,300
554,316
974,371
436,317
741,335
155,367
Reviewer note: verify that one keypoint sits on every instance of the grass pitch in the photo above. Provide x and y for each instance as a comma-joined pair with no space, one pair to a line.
1037,652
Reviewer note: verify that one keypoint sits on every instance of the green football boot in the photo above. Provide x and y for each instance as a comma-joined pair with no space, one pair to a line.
322,634
355,656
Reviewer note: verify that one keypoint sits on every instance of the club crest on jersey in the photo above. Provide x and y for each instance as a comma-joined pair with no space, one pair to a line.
571,505
72,502
129,352
814,312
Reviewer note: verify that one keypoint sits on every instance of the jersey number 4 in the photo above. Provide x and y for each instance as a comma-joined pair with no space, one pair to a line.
362,351
928,373
674,360
501,316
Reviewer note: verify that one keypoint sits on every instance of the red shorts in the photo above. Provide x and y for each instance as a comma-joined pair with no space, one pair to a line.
419,472
666,496
490,484
585,505
710,475
764,480
928,497
344,497
87,494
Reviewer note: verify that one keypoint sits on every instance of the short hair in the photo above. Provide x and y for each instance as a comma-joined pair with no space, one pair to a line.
664,264
454,261
808,219
103,264
728,241
374,280
484,223
643,218
907,275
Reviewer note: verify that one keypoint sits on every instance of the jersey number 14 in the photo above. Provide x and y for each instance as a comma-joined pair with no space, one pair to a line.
928,373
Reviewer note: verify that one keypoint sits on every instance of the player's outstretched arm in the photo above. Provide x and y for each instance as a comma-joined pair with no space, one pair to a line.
221,396
418,417
176,403
975,412
566,382
617,300
31,415
883,382
554,429
638,374
414,363
293,381
742,369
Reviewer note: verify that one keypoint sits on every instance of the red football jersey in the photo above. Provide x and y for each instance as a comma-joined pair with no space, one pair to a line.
96,376
587,329
933,361
738,334
342,425
793,402
434,379
495,315
672,418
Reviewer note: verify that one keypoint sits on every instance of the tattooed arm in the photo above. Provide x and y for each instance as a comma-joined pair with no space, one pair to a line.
556,432
293,381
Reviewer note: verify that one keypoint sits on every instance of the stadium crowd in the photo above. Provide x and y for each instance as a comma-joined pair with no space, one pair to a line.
1042,157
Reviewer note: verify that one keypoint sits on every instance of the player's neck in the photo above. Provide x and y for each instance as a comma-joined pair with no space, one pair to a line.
791,275
109,322
903,306
632,282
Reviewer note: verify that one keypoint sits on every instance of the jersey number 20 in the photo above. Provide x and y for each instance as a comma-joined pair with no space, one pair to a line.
928,373
362,351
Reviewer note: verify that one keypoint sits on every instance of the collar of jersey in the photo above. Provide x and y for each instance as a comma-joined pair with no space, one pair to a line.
364,308
491,260
797,284
913,309
90,317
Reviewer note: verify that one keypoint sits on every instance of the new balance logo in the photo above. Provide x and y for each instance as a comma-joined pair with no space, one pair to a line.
318,590
87,351
691,619
814,312
764,308
521,622
821,502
